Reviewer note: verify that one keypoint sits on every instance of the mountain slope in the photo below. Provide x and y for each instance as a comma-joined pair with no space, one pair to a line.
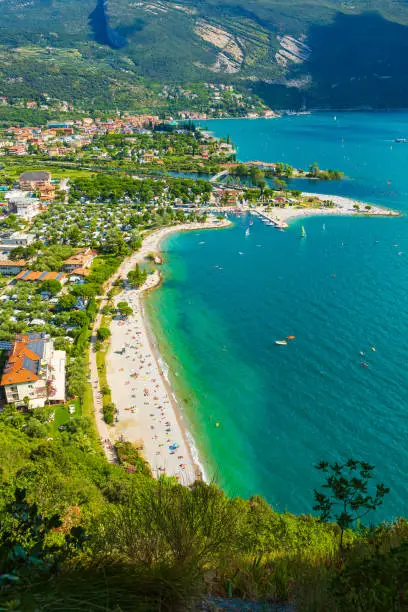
119,52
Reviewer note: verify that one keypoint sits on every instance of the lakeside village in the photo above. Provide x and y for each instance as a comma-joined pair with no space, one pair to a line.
76,200
198,102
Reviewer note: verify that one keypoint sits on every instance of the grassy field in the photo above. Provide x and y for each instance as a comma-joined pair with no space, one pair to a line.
62,414
13,168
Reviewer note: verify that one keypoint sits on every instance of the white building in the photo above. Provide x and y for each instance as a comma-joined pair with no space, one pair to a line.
21,204
34,370
11,240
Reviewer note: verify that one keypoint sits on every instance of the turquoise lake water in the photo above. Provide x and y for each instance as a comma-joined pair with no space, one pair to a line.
342,290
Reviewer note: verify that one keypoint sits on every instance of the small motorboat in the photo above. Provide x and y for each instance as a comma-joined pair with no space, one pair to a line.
290,337
364,364
281,342
303,232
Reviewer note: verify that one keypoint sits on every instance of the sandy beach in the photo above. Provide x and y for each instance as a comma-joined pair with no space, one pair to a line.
342,206
148,412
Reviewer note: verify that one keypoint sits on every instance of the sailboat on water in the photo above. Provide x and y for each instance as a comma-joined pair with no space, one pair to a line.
303,232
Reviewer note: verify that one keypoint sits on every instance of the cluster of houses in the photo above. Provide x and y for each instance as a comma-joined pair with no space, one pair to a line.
34,372
34,190
75,269
59,139
62,139
220,97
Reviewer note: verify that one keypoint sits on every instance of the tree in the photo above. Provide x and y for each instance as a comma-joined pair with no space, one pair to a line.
103,333
76,377
314,169
135,241
262,185
124,309
78,318
348,489
51,286
109,413
66,302
23,252
137,277
26,550
36,429
42,414
74,235
134,220
88,290
114,243
279,184
180,216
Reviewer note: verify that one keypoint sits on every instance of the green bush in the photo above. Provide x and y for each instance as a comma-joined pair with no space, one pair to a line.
103,333
130,457
377,583
109,413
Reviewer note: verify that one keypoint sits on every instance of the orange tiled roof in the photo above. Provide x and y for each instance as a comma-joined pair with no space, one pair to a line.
8,263
27,275
80,258
81,271
14,371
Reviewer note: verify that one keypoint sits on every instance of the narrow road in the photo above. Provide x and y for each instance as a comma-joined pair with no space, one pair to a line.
104,430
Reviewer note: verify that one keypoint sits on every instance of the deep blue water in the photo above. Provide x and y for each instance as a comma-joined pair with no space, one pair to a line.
340,291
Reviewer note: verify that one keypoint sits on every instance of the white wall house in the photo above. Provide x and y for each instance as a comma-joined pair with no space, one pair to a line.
34,370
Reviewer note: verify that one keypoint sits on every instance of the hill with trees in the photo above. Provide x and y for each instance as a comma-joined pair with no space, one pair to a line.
79,533
119,54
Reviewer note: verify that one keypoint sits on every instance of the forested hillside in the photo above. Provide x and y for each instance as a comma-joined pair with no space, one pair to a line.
78,533
119,53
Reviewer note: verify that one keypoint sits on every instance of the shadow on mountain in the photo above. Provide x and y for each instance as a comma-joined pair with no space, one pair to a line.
136,26
358,61
103,33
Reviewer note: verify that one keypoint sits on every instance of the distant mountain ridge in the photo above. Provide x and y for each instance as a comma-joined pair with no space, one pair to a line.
298,54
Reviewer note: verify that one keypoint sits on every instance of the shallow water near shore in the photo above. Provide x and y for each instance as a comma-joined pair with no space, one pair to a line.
342,290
